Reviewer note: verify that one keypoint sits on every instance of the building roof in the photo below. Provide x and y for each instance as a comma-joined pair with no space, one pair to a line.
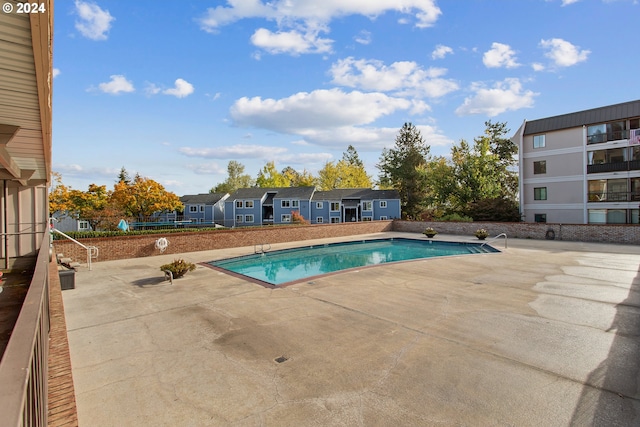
587,117
202,199
279,193
356,193
25,96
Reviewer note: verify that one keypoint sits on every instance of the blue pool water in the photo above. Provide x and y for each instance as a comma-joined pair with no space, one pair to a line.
290,265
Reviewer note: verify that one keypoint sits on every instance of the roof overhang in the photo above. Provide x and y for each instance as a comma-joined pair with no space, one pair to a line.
25,95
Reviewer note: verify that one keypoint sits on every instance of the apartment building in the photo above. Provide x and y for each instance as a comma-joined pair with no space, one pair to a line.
582,167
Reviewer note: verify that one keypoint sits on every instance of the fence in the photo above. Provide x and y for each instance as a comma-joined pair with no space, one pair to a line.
23,369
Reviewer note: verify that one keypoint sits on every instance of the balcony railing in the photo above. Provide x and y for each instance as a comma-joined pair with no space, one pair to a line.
614,196
23,369
609,136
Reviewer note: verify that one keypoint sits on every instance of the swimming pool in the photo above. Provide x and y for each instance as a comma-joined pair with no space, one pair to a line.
292,265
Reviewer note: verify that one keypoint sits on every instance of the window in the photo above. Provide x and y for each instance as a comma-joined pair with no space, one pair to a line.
285,218
285,203
383,218
335,206
201,208
540,217
540,193
319,220
383,204
248,203
367,218
248,218
83,225
335,220
193,208
239,218
367,206
540,167
239,204
538,141
295,203
319,205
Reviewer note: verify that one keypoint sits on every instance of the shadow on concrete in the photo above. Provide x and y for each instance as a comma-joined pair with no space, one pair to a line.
150,281
610,394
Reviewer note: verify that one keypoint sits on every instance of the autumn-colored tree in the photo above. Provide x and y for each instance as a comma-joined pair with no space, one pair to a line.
143,197
59,196
269,177
89,205
348,172
298,179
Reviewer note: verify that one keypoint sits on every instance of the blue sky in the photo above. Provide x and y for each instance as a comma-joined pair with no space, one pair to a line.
174,90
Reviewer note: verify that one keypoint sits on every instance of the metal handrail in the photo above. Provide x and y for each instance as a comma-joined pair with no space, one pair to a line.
91,250
496,238
24,365
262,249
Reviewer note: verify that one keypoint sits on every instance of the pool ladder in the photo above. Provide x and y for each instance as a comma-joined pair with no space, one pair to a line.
496,238
263,247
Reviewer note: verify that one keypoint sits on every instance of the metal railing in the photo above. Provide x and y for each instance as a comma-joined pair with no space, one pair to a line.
24,365
92,251
496,238
614,196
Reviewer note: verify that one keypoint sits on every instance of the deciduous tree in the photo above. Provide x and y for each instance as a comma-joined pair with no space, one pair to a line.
236,179
144,197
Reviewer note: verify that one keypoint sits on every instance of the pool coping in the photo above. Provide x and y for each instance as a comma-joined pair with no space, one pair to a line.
309,279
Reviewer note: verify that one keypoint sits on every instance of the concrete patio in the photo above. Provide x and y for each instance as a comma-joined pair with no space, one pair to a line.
545,333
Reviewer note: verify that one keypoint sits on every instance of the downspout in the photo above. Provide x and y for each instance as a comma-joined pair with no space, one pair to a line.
521,170
585,182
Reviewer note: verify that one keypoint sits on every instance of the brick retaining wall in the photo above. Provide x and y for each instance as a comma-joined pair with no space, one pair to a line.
113,248
623,233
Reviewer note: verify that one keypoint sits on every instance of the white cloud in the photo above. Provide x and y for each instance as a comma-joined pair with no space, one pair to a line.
235,151
292,42
568,2
425,11
304,158
152,89
507,95
300,21
500,55
402,78
563,53
303,112
182,89
93,23
117,84
78,171
207,169
538,66
364,37
56,72
441,51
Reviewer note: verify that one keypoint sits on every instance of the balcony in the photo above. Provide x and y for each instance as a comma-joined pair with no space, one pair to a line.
600,138
614,196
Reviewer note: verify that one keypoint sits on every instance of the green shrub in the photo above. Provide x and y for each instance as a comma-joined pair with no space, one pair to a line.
99,234
178,267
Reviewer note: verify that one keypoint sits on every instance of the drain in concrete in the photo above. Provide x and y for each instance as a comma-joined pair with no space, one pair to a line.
281,359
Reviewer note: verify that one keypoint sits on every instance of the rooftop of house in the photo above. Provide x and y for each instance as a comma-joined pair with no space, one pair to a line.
202,199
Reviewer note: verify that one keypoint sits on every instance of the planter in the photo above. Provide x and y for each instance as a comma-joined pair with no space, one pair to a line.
431,235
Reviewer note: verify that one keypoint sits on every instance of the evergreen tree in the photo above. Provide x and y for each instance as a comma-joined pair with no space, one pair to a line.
402,168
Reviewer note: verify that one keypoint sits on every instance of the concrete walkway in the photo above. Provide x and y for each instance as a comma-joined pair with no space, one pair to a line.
543,334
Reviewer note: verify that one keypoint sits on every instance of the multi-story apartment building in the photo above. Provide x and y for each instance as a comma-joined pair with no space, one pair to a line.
582,167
